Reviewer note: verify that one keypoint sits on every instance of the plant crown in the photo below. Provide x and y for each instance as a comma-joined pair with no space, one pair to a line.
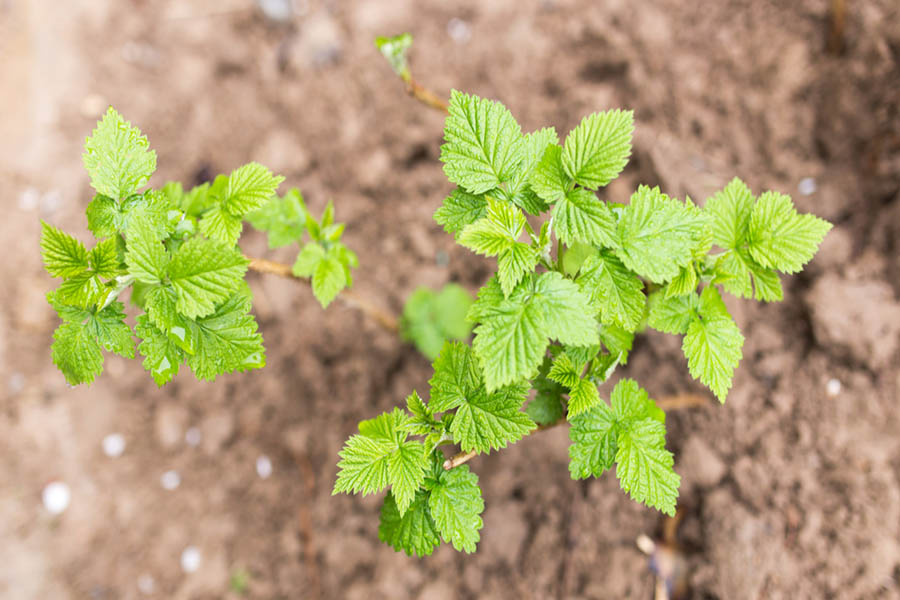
552,327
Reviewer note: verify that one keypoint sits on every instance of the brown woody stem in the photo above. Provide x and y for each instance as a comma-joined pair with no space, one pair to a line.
377,314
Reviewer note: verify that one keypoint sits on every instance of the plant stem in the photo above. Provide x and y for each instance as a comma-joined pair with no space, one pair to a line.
425,96
667,403
386,320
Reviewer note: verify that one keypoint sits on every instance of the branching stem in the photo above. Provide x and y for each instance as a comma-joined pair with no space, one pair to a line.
385,319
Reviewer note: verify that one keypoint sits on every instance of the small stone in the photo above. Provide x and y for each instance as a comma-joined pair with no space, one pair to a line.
56,497
807,186
280,11
146,584
114,445
190,559
263,466
170,480
833,388
459,30
30,199
193,437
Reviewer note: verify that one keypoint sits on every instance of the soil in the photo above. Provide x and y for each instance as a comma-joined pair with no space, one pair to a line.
790,489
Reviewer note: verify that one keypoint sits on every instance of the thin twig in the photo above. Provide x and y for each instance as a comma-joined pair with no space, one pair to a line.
425,96
666,403
377,314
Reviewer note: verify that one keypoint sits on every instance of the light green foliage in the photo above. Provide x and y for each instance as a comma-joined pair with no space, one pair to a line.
117,157
560,325
177,252
394,49
431,318
597,150
325,259
484,144
456,505
631,435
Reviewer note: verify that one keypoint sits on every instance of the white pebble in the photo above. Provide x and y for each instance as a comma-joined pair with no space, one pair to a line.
29,199
56,497
807,186
170,480
114,445
192,436
16,383
459,30
833,387
263,466
146,584
190,559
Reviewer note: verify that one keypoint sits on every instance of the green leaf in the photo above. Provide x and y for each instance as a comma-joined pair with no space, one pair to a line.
456,506
160,304
565,372
483,143
103,216
83,290
597,150
104,258
227,340
76,353
394,49
457,375
580,216
614,291
308,259
779,238
485,421
644,466
64,256
380,456
460,209
657,234
730,212
329,278
422,420
713,345
684,283
162,357
108,327
549,179
117,157
413,532
284,219
583,394
431,318
547,406
248,188
512,337
617,340
672,315
593,436
205,273
220,225
145,256
631,402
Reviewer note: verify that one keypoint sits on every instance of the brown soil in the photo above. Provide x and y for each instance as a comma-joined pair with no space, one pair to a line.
789,491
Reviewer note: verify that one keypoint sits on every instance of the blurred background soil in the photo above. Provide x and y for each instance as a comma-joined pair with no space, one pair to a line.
790,490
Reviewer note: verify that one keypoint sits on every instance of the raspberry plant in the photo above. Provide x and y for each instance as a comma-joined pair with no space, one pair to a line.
552,326
577,278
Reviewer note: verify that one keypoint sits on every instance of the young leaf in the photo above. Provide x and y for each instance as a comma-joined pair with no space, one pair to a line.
644,466
614,291
284,219
104,258
593,436
456,506
220,225
64,256
108,327
549,179
580,216
730,214
394,49
117,157
596,151
547,406
431,318
413,532
227,340
162,357
104,218
460,209
248,188
76,353
483,143
485,421
160,304
145,256
204,273
457,376
657,234
672,315
713,345
779,238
